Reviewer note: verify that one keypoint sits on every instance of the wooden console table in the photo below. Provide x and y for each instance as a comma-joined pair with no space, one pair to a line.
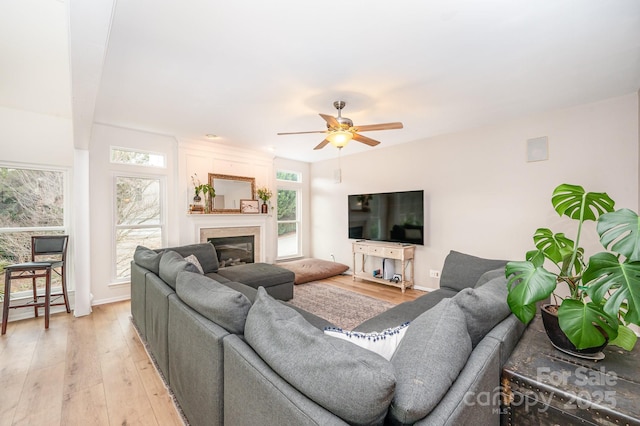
397,251
543,386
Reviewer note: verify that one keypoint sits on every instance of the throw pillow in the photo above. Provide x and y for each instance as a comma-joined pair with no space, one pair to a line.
193,259
226,307
147,258
384,342
484,307
428,360
351,382
171,263
462,270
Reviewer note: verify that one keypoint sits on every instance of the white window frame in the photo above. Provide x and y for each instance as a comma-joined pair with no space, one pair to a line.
115,227
66,217
297,186
138,151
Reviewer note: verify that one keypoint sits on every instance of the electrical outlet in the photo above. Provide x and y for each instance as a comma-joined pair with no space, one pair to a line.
434,274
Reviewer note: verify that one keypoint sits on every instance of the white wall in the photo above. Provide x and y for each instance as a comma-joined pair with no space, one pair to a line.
202,158
481,195
32,138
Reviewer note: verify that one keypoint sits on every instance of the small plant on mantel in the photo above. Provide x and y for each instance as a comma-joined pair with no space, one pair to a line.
205,188
604,291
264,193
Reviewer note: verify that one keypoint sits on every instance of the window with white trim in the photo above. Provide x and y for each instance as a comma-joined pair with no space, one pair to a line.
137,157
138,219
289,214
32,202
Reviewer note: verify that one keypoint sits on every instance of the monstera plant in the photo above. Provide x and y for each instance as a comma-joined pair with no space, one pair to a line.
602,294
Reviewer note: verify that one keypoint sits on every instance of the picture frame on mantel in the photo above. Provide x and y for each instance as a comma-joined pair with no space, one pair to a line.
249,206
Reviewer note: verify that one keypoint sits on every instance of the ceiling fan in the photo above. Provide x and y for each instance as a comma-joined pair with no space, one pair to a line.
340,130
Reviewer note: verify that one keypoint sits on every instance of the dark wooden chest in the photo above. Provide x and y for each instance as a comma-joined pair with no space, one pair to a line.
544,386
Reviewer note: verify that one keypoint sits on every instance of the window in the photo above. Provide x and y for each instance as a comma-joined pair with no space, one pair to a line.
288,176
288,219
138,219
137,158
32,202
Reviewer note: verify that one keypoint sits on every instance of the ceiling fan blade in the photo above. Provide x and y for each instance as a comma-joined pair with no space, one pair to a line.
302,133
322,144
365,140
331,120
381,126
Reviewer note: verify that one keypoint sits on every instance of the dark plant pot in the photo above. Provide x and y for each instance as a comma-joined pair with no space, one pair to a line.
560,340
265,208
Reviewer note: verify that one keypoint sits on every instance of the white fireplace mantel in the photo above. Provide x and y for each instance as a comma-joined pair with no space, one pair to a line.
262,221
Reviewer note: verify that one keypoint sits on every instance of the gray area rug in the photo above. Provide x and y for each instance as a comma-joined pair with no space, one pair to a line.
343,308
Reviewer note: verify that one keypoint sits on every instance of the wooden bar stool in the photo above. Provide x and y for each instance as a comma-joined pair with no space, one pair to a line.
47,246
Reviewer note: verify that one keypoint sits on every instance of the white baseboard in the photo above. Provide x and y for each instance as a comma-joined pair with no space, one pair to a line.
110,300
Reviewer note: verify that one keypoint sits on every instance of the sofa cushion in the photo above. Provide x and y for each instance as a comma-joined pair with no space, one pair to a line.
384,342
147,258
205,252
219,303
428,360
353,383
484,307
258,274
171,263
405,312
462,270
489,275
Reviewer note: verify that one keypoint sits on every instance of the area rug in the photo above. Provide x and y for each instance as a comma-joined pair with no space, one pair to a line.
307,270
343,308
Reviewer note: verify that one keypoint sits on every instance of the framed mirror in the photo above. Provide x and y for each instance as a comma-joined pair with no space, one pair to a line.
230,190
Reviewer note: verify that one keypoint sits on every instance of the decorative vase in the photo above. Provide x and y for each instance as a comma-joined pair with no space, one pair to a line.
197,204
265,208
560,340
207,203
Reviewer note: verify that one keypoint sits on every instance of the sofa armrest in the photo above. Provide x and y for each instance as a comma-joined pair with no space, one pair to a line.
157,321
138,295
272,400
508,332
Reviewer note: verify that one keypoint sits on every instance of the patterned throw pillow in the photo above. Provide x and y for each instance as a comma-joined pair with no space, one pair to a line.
193,259
384,342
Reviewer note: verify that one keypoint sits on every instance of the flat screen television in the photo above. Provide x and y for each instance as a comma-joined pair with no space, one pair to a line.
389,216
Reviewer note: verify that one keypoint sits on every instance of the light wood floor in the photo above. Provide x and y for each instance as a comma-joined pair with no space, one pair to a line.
93,370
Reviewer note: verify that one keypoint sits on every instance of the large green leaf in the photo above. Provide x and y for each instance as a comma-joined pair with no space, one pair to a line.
528,284
620,232
626,338
559,249
608,279
573,201
554,246
578,320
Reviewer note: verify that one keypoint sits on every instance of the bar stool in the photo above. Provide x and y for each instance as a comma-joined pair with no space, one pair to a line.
47,245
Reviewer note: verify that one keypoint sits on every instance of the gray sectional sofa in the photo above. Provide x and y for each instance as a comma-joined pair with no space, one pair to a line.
234,354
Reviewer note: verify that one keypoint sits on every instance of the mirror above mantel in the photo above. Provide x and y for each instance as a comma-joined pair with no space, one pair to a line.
230,190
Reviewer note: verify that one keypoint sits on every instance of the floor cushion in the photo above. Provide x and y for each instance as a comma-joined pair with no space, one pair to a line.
310,269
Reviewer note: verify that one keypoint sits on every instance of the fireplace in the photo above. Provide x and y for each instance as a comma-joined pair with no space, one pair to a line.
209,234
237,250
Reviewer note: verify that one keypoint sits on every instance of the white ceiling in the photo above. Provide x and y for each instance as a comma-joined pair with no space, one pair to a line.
245,70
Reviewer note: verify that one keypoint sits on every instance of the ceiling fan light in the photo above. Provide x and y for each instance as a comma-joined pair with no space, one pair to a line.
339,138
